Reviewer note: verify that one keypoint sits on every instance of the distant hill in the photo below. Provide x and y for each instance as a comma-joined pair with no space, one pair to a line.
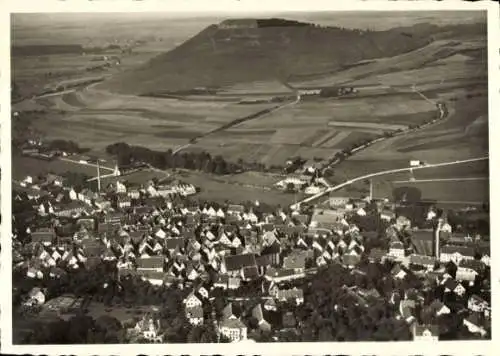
245,50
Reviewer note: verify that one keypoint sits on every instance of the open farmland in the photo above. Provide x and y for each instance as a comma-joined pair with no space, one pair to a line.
459,191
23,166
375,72
220,189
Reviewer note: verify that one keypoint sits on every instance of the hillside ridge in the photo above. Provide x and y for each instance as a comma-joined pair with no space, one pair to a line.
246,50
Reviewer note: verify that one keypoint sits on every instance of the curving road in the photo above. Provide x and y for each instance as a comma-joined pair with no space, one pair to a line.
381,173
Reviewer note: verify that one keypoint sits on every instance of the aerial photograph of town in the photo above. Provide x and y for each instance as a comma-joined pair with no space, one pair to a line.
286,177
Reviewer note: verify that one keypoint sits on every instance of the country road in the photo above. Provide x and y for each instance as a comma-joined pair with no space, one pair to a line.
381,173
440,180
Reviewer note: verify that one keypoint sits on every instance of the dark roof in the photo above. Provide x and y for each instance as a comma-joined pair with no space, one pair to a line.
250,272
274,248
236,262
451,284
289,320
422,235
475,318
268,227
43,235
377,253
172,244
264,260
236,208
151,262
422,260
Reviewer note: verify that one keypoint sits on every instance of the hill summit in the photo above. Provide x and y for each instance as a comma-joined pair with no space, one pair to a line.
244,50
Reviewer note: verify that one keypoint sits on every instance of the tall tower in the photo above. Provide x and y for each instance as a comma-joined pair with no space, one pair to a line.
371,190
98,177
436,238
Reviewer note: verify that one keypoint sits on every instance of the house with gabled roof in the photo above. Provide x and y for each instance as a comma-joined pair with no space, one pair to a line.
294,295
234,264
456,253
195,315
232,327
438,308
426,333
295,261
477,304
45,236
453,286
192,301
398,272
423,261
397,249
475,324
150,328
153,263
258,314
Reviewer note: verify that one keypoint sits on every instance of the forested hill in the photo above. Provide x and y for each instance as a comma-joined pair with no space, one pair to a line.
259,49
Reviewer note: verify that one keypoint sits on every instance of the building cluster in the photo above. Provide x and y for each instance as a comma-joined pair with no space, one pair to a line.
210,248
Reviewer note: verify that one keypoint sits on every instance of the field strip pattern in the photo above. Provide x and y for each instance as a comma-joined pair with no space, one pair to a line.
367,125
336,139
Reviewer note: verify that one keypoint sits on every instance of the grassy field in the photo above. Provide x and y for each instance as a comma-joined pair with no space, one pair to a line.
238,189
23,166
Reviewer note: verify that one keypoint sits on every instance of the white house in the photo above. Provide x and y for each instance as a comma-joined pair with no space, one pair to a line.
120,188
396,249
73,195
35,297
477,304
192,301
149,327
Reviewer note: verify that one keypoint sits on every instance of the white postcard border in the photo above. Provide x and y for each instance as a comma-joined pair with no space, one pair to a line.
238,7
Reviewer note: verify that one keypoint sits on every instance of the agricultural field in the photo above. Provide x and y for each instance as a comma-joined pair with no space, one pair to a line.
459,191
23,166
443,59
463,134
255,88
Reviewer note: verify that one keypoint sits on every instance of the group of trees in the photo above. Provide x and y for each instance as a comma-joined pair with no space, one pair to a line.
67,146
79,329
202,161
331,313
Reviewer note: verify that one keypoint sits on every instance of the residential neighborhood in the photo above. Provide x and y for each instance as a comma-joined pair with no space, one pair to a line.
241,271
